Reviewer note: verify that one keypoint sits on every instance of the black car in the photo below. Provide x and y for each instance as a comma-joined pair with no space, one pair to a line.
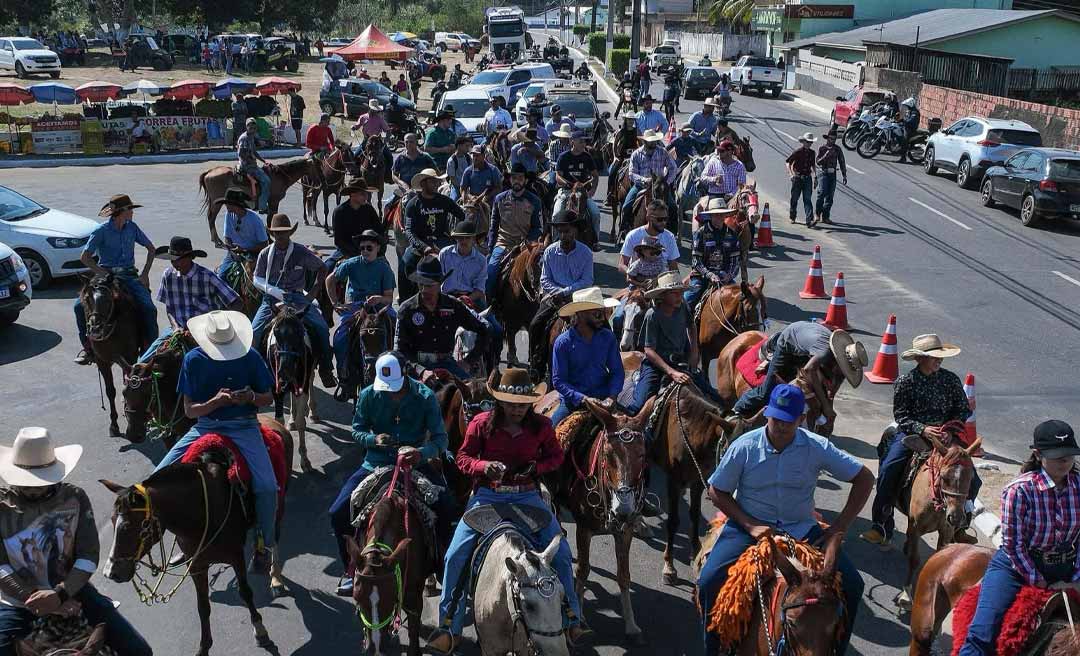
356,94
1040,182
699,81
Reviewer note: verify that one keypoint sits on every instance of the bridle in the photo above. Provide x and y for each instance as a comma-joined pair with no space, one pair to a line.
470,410
99,328
596,483
742,321
786,626
301,355
157,426
545,586
936,469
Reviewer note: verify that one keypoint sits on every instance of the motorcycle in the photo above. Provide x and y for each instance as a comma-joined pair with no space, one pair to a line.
859,126
628,100
725,105
396,139
890,135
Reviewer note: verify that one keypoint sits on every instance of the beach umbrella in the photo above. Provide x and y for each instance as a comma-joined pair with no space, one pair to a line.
231,86
187,90
98,91
54,93
269,86
398,37
13,94
145,87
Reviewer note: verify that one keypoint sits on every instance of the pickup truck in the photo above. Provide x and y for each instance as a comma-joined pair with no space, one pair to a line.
664,58
757,73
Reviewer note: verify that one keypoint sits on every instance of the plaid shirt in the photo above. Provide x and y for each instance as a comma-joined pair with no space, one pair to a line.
556,149
198,292
723,178
1037,515
644,164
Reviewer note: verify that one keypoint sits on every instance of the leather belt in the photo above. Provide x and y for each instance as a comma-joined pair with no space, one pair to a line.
424,357
825,170
1055,557
513,489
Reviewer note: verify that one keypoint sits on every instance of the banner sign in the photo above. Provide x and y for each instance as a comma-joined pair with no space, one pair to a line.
819,11
56,136
766,20
182,132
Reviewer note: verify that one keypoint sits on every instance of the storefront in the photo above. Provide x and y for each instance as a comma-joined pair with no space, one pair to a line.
783,23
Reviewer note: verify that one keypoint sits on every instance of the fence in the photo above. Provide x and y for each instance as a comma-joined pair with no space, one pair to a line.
1053,82
976,73
831,71
1060,127
721,47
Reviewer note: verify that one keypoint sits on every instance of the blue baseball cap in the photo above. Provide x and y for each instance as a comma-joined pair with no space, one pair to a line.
786,403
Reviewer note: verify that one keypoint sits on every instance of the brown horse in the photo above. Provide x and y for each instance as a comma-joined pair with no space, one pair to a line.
150,394
370,334
620,225
478,210
112,327
945,577
372,166
602,483
334,167
240,276
196,503
214,182
729,311
578,203
517,298
293,365
498,150
459,403
744,152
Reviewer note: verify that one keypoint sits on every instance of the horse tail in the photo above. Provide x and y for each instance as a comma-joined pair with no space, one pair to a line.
205,192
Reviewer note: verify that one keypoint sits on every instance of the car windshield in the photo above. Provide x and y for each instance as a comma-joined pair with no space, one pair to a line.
16,207
490,77
468,107
581,107
505,29
532,91
664,50
705,74
1065,169
761,61
27,44
1015,137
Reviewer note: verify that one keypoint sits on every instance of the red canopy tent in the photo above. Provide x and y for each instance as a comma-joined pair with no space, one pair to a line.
373,44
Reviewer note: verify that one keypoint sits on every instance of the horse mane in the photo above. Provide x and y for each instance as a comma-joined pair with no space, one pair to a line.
295,166
178,472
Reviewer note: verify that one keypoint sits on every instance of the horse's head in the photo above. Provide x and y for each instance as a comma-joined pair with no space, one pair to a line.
745,153
140,390
101,300
753,305
622,462
288,355
135,530
378,576
475,395
812,608
373,149
536,595
748,202
951,472
372,331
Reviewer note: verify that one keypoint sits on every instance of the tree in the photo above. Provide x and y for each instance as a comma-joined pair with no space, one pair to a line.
737,12
26,12
595,10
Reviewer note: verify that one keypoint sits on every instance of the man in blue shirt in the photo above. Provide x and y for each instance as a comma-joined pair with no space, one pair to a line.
533,122
558,121
481,177
765,486
527,152
113,244
703,125
585,360
649,118
683,147
245,230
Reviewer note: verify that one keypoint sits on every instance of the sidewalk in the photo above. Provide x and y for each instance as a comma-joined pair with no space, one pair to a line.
223,155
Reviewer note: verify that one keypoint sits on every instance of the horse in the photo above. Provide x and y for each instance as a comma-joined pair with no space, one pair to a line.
459,403
579,205
517,298
602,483
334,167
113,330
478,210
213,183
372,166
728,311
370,334
289,353
744,152
634,309
746,201
944,579
620,225
240,276
150,393
211,532
497,150
687,193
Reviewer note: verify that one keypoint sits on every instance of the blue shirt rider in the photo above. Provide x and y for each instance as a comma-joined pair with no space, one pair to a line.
649,118
585,360
703,125
245,231
369,285
528,152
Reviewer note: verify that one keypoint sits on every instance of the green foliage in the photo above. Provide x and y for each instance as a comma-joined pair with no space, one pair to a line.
597,44
581,30
34,13
734,11
352,16
619,61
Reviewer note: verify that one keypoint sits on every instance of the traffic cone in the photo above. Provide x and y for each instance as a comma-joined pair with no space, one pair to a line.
836,316
970,434
764,233
814,287
886,365
671,132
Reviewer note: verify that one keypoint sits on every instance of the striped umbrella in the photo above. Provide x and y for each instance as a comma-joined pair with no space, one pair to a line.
98,91
271,86
13,94
188,90
145,87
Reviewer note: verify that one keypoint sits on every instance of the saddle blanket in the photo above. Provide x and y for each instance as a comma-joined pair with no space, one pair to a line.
1021,622
373,488
747,365
238,470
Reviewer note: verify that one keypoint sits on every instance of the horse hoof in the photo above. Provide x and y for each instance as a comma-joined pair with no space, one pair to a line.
114,431
292,424
262,638
671,578
305,465
278,590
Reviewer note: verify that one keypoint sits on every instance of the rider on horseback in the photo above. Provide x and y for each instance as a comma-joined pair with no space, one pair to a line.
515,218
532,122
245,231
528,153
353,218
466,265
684,147
703,125
557,120
440,139
457,164
497,118
113,244
924,399
585,360
724,174
369,285
774,472
573,169
249,157
429,216
481,178
724,131
649,118
506,451
717,256
372,123
406,165
647,161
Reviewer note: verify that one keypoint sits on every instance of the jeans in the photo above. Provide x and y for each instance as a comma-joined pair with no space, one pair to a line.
455,577
628,202
561,199
645,84
341,341
165,334
825,191
561,412
247,437
264,185
730,544
782,365
494,262
802,185
16,623
648,384
1000,585
144,306
694,291
318,331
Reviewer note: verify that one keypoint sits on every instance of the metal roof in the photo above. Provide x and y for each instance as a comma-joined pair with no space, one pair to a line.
930,27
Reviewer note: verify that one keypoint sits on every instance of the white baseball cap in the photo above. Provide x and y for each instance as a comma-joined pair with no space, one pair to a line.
388,376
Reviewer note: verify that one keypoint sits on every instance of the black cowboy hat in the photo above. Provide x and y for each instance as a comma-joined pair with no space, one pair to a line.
443,114
117,204
368,235
357,183
429,271
536,111
518,169
568,217
648,97
179,247
237,196
464,228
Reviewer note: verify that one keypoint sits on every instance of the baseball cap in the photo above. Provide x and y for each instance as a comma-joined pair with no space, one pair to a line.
388,376
1055,439
786,403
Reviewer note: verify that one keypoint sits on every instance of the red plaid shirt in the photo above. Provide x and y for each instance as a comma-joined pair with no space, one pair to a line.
1035,514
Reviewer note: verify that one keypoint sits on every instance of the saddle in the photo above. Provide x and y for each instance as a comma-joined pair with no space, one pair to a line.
750,364
422,501
494,520
1030,623
221,449
242,178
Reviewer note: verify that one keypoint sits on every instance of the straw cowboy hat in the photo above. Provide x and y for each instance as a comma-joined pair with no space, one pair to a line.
718,207
930,346
374,105
563,132
178,248
590,298
850,356
651,135
117,204
712,101
515,386
649,242
222,334
33,461
426,174
282,223
357,183
668,281
808,137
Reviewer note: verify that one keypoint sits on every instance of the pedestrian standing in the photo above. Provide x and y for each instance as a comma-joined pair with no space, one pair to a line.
829,158
208,61
800,168
240,116
296,113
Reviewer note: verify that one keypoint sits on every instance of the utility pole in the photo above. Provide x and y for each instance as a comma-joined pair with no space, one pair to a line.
635,34
610,25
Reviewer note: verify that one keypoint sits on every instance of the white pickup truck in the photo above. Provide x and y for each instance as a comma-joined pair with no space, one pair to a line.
664,58
757,73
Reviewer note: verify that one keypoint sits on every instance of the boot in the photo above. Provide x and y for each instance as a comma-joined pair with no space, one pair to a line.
85,357
442,642
962,536
345,587
326,375
577,632
260,561
875,536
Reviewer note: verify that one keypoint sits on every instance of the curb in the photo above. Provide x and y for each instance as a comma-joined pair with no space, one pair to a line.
110,160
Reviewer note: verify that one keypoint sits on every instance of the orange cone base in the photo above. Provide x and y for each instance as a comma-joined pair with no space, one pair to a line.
805,294
874,378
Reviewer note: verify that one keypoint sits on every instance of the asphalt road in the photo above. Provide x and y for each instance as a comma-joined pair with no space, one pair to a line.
976,286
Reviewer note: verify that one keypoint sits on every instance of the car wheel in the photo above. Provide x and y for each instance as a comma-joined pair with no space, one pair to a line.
963,174
988,193
40,276
327,107
1028,216
20,72
928,161
8,317
775,92
55,76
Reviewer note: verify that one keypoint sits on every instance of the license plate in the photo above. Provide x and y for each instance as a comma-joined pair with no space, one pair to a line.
5,292
1074,208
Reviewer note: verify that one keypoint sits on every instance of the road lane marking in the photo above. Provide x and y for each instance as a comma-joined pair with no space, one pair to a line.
941,214
800,101
856,170
787,135
1065,277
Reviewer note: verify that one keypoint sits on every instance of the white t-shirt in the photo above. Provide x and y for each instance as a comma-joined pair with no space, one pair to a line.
637,235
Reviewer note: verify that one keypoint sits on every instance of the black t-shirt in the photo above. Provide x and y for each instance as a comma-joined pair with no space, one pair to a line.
576,167
297,107
348,223
428,221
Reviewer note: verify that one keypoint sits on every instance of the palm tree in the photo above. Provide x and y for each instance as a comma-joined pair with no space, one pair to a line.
734,11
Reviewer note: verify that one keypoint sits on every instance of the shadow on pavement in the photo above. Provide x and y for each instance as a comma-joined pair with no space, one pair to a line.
851,228
67,287
23,342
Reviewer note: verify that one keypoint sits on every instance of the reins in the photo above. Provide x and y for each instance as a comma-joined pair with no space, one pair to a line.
545,586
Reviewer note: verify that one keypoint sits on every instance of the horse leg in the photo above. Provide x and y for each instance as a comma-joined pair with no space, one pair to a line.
911,550
298,417
671,576
279,407
311,407
511,346
622,558
277,583
202,600
581,575
262,638
110,391
414,599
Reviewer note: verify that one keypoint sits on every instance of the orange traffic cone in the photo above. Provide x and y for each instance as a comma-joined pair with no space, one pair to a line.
886,365
814,287
764,233
671,133
970,434
836,316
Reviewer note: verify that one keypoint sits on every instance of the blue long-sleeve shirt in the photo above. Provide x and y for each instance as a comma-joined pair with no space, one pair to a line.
581,368
704,127
566,271
414,420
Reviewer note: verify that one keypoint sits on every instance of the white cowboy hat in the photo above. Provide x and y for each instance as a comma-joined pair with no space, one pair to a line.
850,356
930,346
712,101
717,206
563,132
668,281
374,105
426,174
33,461
515,386
651,135
222,334
590,298
808,137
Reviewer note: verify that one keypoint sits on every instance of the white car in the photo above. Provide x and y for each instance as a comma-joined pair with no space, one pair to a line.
28,57
972,145
49,241
15,288
454,41
508,81
470,105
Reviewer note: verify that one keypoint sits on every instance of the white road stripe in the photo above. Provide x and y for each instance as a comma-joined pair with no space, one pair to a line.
787,135
856,170
1065,277
942,215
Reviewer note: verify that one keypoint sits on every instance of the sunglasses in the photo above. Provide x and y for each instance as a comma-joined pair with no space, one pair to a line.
369,247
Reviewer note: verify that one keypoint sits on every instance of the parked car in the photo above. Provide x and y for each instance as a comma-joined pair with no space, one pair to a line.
28,57
146,53
699,81
281,54
470,106
49,241
338,42
972,145
357,93
15,287
508,81
674,43
664,58
1040,182
852,103
182,46
759,74
454,41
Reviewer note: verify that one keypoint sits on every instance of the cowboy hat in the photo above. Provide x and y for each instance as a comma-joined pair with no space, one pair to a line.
515,386
712,101
282,223
649,242
590,298
477,149
518,169
849,355
807,137
429,271
668,281
222,334
368,235
569,217
648,98
443,114
651,135
426,174
117,204
930,346
464,228
179,247
527,136
685,128
373,105
357,183
563,132
237,196
717,207
33,461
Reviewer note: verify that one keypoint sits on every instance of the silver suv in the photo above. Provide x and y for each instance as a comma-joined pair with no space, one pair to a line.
972,145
